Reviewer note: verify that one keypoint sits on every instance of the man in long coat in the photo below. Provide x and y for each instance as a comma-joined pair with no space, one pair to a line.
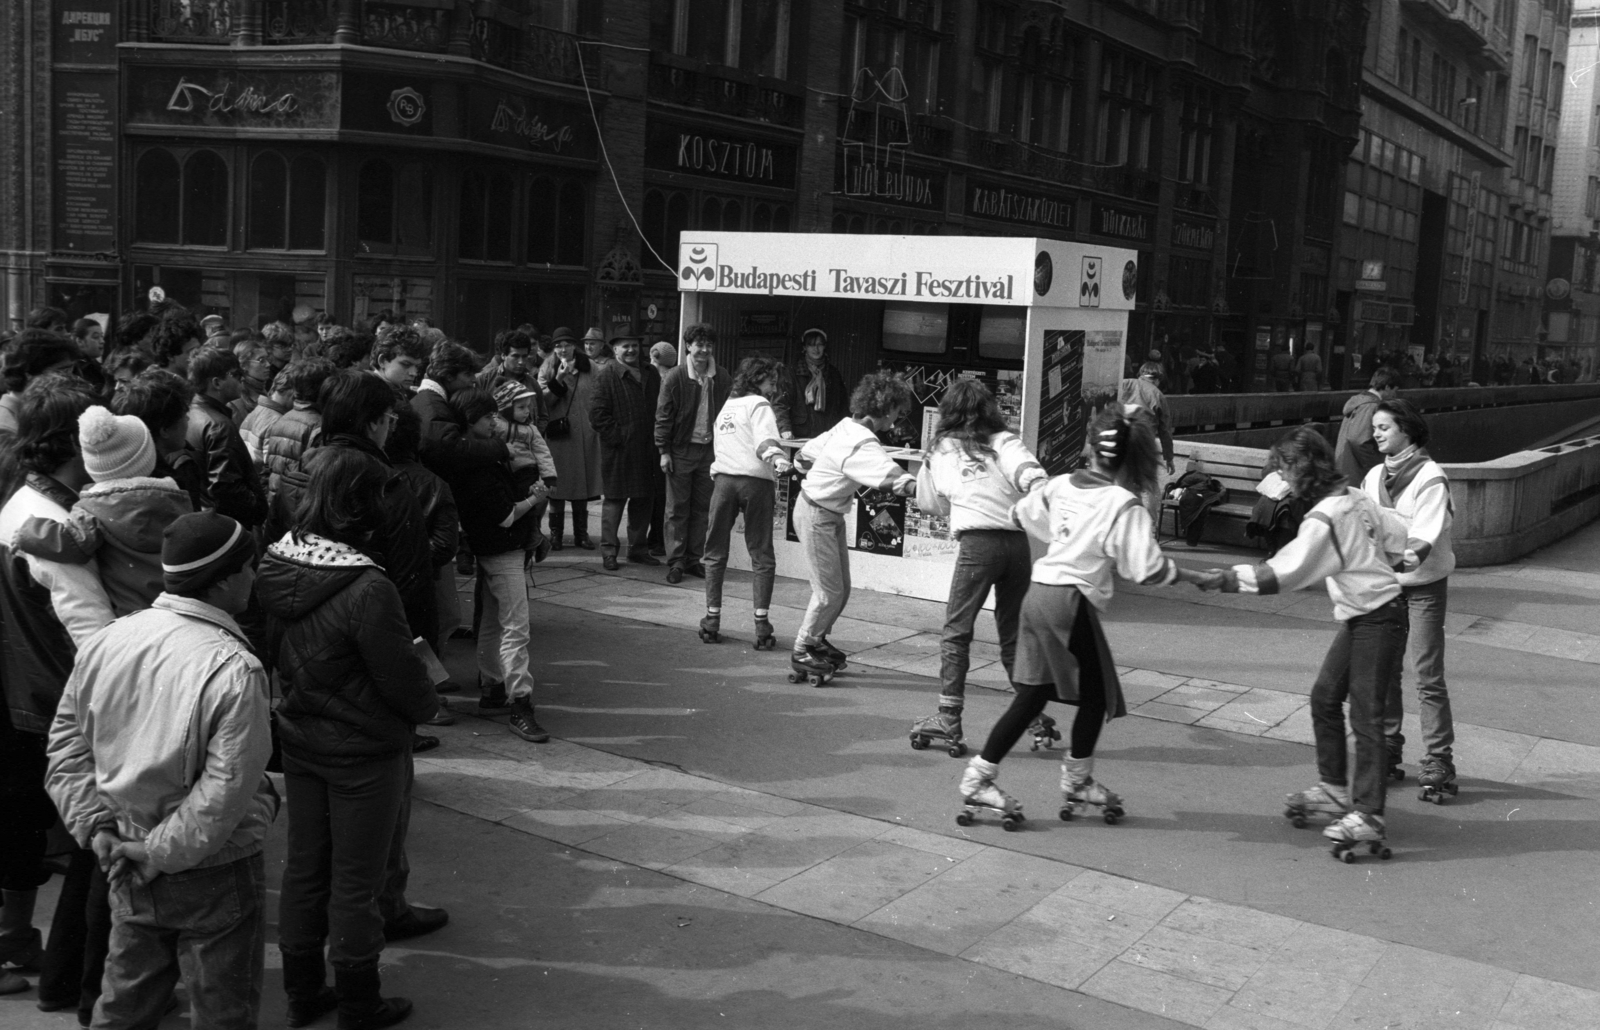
623,412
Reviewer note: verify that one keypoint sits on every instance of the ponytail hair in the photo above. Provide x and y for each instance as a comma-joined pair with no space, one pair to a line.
1122,440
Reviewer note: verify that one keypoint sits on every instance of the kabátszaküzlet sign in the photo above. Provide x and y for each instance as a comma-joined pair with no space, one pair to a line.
1000,203
928,269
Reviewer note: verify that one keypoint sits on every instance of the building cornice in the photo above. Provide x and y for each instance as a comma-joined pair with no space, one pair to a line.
1393,98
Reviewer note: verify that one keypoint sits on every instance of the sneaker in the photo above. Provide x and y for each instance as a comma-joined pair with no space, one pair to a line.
493,701
1357,827
524,725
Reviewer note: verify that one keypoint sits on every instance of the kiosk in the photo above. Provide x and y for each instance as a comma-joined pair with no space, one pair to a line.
1062,308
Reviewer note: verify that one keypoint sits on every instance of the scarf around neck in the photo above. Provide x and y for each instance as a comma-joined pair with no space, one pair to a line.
817,388
1400,469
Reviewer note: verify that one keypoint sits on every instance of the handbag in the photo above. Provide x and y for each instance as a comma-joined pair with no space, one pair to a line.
558,429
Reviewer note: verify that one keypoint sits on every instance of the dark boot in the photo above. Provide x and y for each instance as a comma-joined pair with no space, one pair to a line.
558,524
580,527
304,980
360,1006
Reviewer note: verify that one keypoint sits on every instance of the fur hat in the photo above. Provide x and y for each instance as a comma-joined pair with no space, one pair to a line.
114,446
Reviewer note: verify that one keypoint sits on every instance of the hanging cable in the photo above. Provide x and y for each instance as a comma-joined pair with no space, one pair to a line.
604,153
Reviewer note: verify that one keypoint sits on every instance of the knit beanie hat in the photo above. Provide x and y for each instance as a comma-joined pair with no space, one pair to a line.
115,446
201,549
508,393
664,354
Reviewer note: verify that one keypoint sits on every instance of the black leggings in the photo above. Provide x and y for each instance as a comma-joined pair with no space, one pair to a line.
1031,698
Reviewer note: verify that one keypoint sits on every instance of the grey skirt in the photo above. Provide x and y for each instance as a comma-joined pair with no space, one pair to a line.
1060,644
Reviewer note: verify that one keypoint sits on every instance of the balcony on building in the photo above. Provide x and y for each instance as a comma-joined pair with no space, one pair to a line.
1468,25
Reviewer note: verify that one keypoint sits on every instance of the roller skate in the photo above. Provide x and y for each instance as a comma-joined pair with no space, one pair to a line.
1437,778
979,794
1319,800
711,627
1396,746
1044,733
837,658
765,641
810,665
1355,830
1080,791
944,725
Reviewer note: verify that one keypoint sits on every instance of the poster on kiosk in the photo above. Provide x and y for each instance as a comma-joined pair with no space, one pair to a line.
1044,322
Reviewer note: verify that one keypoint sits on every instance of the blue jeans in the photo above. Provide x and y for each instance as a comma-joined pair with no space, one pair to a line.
503,633
688,502
995,559
1425,609
1364,656
755,497
209,925
826,545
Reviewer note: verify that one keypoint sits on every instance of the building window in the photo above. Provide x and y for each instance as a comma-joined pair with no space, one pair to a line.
1472,106
1543,70
557,220
287,209
1558,75
205,199
1548,167
486,206
748,34
1196,125
1519,151
182,197
1403,72
1530,50
669,212
992,91
157,187
394,207
1126,111
1045,95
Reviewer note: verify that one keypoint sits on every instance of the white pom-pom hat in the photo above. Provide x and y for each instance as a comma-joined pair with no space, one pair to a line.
114,446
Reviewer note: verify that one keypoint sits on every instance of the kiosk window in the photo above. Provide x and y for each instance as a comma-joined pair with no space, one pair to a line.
916,328
1002,333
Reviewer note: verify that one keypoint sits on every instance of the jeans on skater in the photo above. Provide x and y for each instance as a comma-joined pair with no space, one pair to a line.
988,558
207,925
753,496
638,525
503,636
1358,667
688,502
1425,610
333,875
825,544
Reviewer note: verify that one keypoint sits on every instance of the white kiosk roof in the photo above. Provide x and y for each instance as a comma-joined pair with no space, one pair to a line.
1005,270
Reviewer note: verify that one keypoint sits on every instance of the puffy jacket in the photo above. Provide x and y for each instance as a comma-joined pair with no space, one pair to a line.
447,449
337,632
254,426
231,475
284,444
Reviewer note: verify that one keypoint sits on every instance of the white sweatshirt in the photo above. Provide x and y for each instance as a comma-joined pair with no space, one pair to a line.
978,492
1093,527
1425,508
847,457
1346,540
745,438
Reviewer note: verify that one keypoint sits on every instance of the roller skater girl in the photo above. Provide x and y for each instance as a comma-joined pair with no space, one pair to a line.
745,439
1095,524
973,474
1345,539
837,463
1413,488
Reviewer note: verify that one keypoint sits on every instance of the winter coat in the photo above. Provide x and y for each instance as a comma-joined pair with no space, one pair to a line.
1356,450
492,376
117,525
438,505
623,414
284,445
680,403
493,494
446,448
576,455
338,635
807,421
255,425
164,731
182,468
230,474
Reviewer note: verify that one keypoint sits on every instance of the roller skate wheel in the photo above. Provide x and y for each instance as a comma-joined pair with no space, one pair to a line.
1035,745
1344,854
1112,815
1398,773
708,637
1066,813
918,742
816,680
1011,823
1385,854
1299,821
956,750
766,643
795,677
963,818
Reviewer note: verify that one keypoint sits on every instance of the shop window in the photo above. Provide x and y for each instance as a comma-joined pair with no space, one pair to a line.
157,181
286,202
394,209
205,199
556,221
486,200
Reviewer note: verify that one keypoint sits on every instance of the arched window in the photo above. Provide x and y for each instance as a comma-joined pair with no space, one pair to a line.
269,197
569,242
472,195
375,203
840,224
156,207
205,199
486,203
780,218
308,213
558,220
711,214
414,210
394,209
542,204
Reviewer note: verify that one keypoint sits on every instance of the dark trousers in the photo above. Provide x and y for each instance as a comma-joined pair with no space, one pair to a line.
731,495
392,902
688,503
209,925
995,559
75,956
341,825
1358,667
638,525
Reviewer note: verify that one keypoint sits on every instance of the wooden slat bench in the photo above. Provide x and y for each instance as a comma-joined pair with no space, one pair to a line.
1238,469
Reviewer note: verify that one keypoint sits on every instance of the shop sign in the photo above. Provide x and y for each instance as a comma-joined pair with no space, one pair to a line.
233,98
999,270
84,128
84,32
892,181
763,323
1123,223
1004,204
731,157
1194,235
534,123
387,103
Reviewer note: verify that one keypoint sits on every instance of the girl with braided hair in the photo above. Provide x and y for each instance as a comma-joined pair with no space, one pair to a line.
1094,524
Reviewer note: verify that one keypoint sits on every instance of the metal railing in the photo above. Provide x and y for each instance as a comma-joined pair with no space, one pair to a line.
193,21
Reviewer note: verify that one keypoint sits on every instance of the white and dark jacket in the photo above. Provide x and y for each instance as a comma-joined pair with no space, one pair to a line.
745,438
1418,493
978,491
842,460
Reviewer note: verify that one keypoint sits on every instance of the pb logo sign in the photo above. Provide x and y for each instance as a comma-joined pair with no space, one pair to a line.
697,266
1089,285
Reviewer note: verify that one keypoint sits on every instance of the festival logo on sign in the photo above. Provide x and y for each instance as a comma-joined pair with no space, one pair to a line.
699,269
1043,273
406,107
1089,285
